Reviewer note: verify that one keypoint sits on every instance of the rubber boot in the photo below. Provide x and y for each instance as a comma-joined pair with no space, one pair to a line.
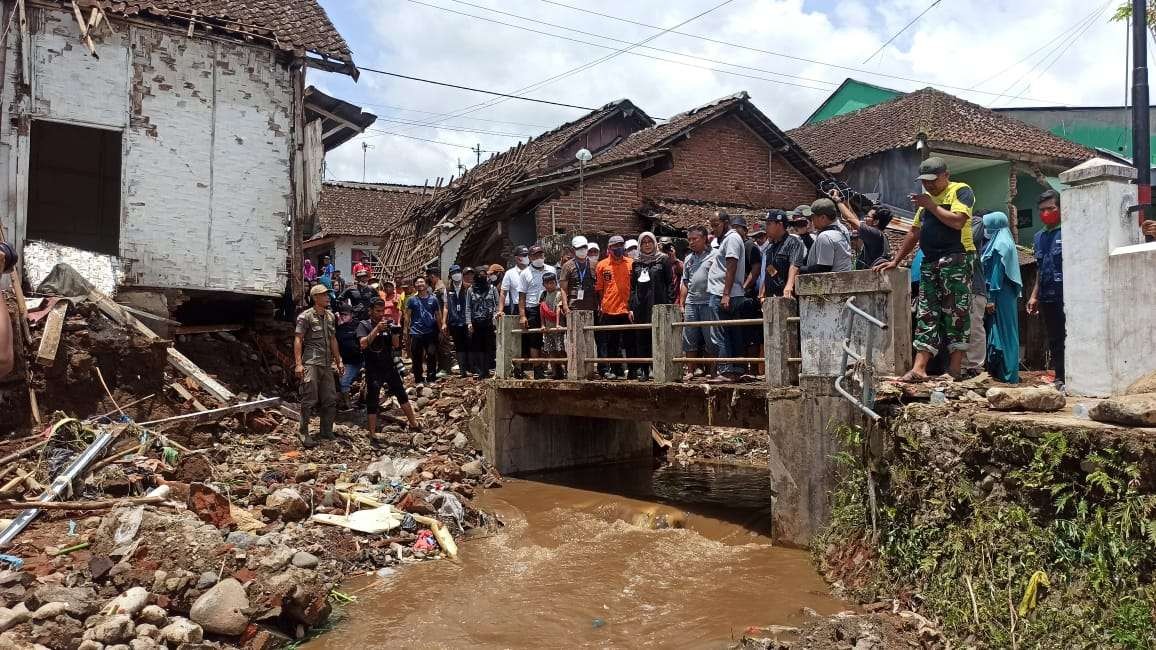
327,416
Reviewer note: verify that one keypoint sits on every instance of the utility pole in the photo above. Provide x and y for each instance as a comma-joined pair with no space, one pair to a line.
1141,154
365,147
461,167
477,153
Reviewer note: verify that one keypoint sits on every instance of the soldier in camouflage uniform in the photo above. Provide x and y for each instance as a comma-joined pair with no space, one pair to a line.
942,229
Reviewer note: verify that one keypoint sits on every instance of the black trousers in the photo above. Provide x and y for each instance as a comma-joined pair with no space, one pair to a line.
483,347
461,337
619,342
643,341
375,378
423,351
1056,324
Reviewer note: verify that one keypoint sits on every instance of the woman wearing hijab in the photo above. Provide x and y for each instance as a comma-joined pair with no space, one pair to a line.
1001,271
481,314
651,283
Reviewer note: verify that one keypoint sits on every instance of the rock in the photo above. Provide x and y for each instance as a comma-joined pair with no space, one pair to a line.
10,618
419,440
181,631
193,468
210,506
278,558
304,560
206,580
154,615
421,402
473,468
111,629
460,441
82,601
143,643
415,501
288,504
1145,384
89,644
148,630
220,609
49,611
1044,398
130,602
1130,410
426,391
306,472
263,638
241,539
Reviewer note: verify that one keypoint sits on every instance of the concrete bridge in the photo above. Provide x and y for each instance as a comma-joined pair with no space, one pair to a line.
533,425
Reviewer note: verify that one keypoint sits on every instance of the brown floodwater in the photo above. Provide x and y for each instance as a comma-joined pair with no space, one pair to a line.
580,563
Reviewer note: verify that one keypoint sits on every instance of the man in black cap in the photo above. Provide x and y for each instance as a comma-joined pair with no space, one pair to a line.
942,229
831,251
801,225
784,257
8,260
358,297
378,339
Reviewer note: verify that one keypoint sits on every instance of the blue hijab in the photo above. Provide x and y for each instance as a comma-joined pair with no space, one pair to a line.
1002,248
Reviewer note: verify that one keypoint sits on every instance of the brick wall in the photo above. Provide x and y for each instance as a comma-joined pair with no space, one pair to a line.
611,202
724,161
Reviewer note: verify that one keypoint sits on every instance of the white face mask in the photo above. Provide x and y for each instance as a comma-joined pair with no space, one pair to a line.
633,254
539,263
493,277
456,277
523,260
581,253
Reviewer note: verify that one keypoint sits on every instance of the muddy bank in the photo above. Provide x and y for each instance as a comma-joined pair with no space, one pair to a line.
1005,529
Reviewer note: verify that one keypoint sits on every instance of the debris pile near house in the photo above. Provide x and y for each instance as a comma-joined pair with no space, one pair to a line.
179,514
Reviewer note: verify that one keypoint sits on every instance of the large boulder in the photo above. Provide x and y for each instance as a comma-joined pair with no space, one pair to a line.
1129,410
1042,398
221,610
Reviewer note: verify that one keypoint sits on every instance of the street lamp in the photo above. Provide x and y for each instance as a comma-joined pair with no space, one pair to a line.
583,157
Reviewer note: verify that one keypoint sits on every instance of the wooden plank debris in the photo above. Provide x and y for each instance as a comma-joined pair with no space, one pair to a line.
50,341
84,33
208,329
216,414
187,396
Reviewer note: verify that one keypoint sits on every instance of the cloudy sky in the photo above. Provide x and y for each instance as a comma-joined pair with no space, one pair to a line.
788,54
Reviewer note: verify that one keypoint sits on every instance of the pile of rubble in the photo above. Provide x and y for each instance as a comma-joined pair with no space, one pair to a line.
883,625
696,442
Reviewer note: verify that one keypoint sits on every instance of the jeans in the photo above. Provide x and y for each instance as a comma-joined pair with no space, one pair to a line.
730,341
699,338
352,370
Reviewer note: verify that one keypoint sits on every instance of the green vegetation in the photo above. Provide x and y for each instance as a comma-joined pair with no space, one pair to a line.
967,520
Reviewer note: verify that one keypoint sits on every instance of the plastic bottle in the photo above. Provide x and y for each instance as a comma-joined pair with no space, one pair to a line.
938,397
1081,412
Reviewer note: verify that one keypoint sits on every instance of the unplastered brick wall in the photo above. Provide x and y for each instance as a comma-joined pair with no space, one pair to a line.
724,161
612,201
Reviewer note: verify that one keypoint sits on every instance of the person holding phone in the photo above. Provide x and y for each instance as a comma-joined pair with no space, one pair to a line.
942,228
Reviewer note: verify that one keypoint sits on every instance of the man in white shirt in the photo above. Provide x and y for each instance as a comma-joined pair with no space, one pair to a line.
512,282
529,295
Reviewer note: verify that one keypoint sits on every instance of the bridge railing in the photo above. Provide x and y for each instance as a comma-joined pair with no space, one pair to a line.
780,360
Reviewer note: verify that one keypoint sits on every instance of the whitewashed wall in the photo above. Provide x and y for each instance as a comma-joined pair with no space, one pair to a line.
206,195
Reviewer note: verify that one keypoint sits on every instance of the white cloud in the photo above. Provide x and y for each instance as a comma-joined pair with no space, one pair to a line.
956,43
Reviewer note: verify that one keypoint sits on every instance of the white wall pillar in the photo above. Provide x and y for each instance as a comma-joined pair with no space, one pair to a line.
1097,293
342,257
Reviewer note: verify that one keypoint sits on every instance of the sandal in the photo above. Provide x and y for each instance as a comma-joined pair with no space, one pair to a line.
912,378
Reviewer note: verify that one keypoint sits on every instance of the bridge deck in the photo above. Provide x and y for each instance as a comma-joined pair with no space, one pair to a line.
726,405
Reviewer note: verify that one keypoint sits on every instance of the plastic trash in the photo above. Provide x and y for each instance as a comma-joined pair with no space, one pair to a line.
425,541
938,397
386,572
71,528
597,623
129,525
12,560
451,507
1081,412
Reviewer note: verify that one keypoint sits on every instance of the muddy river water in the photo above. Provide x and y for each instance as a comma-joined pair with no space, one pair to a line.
621,556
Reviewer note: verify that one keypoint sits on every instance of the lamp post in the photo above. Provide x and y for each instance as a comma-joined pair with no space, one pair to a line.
1141,154
583,157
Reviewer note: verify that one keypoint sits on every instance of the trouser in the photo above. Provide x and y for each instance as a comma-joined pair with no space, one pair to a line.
643,340
423,351
375,378
483,347
977,346
1056,324
600,339
461,336
618,342
944,308
730,341
318,392
352,369
445,357
698,339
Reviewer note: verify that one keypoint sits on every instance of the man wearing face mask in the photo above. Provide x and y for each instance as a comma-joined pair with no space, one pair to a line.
456,321
529,294
632,248
481,309
578,278
512,282
612,284
1048,293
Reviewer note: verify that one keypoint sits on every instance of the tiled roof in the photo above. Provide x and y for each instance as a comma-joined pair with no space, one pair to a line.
681,214
364,209
288,24
941,117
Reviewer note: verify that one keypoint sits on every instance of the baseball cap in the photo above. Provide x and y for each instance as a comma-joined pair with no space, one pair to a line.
549,275
579,242
802,210
825,207
738,221
360,272
665,241
631,243
536,249
594,246
931,168
615,240
778,216
454,268
468,270
432,269
318,289
521,251
481,270
496,268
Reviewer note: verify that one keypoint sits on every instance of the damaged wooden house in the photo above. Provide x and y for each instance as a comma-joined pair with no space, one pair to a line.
640,175
173,141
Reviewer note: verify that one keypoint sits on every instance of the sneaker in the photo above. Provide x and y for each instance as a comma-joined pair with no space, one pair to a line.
609,376
308,442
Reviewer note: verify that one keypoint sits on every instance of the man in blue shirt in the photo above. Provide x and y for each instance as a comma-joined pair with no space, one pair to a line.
1048,293
424,318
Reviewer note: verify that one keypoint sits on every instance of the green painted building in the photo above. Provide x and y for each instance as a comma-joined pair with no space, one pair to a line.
851,95
1108,128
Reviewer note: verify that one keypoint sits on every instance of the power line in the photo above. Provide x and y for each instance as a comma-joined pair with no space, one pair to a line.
453,128
905,27
583,67
379,132
784,55
425,112
476,90
1058,51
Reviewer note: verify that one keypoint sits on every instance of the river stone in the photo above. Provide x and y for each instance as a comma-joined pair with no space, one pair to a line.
1043,398
288,503
89,644
473,468
148,630
130,602
304,560
1129,410
1145,384
12,617
111,629
49,610
180,631
143,643
460,441
153,615
220,609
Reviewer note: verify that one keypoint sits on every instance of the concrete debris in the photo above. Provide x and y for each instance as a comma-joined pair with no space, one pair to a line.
1040,398
221,609
1137,410
1145,384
